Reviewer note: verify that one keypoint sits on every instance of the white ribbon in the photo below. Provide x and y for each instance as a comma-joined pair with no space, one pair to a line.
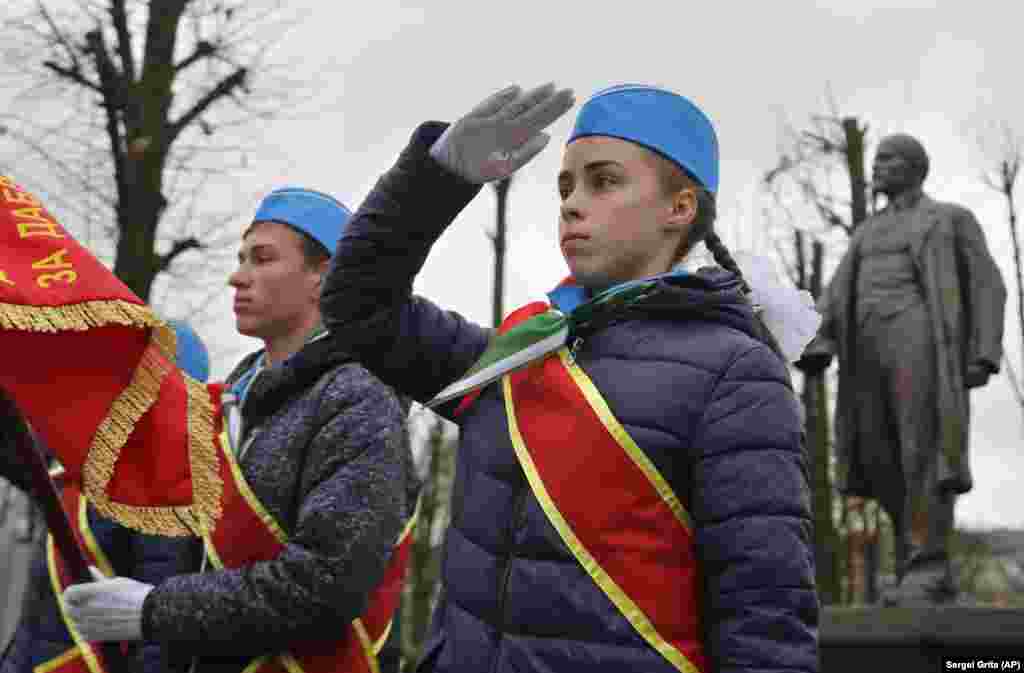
788,313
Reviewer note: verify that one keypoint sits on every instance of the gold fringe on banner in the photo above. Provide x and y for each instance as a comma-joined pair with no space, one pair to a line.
140,394
89,314
113,433
78,317
207,486
166,340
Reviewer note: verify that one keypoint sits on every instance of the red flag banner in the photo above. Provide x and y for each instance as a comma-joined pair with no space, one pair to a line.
92,370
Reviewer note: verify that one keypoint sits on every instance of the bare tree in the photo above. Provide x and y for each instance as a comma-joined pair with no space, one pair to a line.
1003,150
500,241
819,187
437,471
126,113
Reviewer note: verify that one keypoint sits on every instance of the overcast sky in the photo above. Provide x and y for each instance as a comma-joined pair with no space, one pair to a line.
931,69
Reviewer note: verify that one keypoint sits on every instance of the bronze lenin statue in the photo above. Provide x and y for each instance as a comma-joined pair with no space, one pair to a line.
914,314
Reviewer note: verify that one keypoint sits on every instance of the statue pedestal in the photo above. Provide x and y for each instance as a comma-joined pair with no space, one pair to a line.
877,639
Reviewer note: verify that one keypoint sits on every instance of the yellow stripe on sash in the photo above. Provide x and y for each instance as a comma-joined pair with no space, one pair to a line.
84,647
102,562
379,645
59,661
615,593
367,644
246,492
620,435
290,663
256,664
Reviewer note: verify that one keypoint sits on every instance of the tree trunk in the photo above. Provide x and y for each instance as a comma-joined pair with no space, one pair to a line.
854,135
1018,265
141,146
497,303
816,424
425,559
135,262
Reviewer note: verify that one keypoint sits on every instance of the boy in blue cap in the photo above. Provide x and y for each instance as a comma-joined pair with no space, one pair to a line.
319,446
631,488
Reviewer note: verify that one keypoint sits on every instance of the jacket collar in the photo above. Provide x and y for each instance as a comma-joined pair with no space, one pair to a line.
266,387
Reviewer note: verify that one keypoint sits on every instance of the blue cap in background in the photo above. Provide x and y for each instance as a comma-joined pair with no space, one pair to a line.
192,356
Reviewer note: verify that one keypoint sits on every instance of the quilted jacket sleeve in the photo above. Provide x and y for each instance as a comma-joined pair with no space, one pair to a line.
751,506
352,510
153,560
367,302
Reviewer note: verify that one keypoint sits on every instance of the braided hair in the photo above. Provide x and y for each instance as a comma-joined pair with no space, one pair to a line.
674,179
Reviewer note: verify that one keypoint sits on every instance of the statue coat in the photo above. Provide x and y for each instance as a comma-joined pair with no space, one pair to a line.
965,297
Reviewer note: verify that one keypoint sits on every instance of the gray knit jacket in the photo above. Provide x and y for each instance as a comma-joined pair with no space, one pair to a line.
330,461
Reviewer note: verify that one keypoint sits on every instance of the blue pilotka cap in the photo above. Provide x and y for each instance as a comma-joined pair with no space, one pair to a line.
657,119
321,216
191,356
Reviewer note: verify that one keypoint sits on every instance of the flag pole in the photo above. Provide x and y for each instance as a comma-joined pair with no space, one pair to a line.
44,491
48,499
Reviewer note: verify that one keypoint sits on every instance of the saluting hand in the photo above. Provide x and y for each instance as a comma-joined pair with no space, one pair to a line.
501,134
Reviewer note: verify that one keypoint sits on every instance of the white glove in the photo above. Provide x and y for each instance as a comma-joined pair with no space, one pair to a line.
109,609
501,134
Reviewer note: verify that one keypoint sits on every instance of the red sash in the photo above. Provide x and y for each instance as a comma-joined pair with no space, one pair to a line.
83,657
607,501
247,533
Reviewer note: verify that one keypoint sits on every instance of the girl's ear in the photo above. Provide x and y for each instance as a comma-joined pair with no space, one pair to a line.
684,211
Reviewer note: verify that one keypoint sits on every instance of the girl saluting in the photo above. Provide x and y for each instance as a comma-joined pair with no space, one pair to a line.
631,492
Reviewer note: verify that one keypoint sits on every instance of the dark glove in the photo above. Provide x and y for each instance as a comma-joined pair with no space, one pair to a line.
977,374
813,363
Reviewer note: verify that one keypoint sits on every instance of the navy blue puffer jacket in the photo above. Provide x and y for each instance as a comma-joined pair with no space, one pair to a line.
707,400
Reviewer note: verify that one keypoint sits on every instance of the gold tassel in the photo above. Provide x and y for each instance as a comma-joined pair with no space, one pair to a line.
207,486
126,410
166,340
197,519
77,317
110,438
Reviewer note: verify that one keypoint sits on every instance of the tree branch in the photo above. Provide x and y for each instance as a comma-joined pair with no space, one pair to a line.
59,36
1014,383
203,50
224,88
119,17
74,73
179,246
831,217
111,92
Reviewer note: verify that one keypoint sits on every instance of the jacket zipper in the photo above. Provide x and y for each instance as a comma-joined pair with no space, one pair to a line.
517,512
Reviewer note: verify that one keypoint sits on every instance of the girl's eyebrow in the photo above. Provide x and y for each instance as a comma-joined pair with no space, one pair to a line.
590,168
